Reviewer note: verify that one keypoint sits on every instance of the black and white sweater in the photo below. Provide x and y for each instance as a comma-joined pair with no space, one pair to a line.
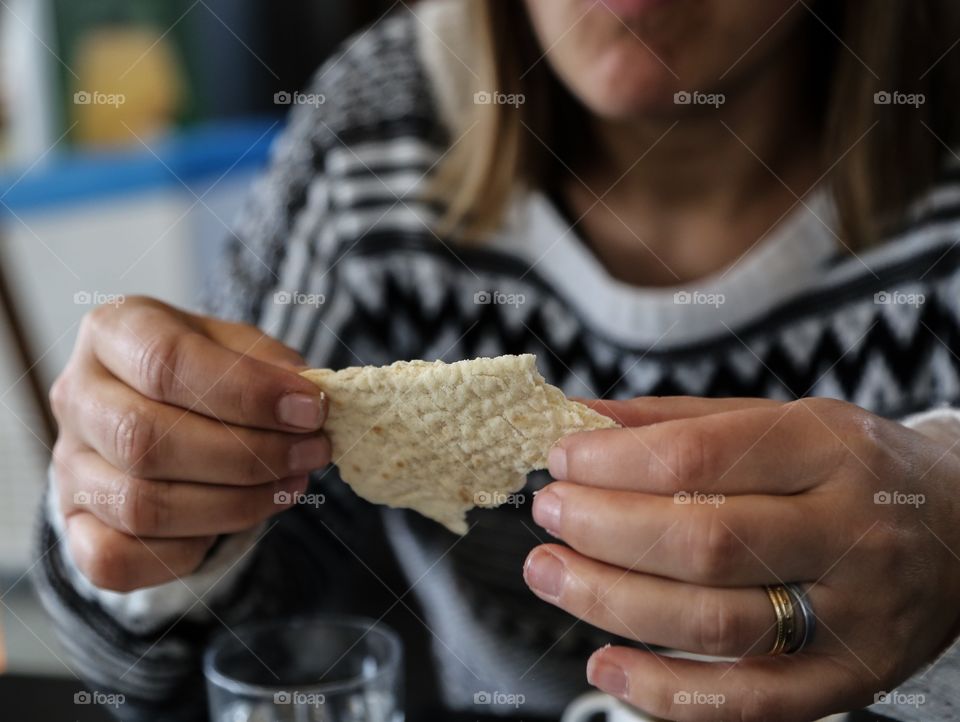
336,257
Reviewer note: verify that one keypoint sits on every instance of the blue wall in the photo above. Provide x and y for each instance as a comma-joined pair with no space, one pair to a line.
202,152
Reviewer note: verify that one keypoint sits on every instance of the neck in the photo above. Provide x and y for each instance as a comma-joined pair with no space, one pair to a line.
760,138
686,195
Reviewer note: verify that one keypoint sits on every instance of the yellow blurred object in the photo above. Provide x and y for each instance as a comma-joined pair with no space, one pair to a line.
130,81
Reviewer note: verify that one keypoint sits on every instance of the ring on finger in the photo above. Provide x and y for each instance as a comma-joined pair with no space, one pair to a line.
794,618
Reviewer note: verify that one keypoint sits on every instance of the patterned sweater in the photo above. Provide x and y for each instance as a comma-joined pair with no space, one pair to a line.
336,256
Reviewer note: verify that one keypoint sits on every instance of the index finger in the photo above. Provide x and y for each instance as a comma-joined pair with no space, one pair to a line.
755,450
169,361
646,410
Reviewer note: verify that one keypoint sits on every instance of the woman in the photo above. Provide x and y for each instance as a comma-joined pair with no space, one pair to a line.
753,201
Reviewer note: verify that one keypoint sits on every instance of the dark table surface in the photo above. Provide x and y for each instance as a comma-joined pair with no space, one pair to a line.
51,699
45,699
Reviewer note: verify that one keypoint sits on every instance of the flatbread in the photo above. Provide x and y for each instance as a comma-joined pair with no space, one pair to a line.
443,438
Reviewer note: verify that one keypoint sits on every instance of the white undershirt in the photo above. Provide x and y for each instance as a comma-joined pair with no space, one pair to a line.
785,262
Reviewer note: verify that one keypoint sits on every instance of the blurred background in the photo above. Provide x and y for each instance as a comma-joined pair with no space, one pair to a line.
130,131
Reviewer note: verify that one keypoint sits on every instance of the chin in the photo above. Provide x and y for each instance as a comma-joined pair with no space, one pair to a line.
621,107
627,94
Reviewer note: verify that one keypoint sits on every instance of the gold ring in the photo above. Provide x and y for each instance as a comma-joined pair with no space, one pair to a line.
786,619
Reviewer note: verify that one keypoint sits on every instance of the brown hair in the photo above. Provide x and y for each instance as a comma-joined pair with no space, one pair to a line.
890,45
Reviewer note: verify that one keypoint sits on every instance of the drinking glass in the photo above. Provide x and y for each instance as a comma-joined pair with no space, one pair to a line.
329,669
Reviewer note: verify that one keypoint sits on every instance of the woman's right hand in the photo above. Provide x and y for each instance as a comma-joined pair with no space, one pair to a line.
175,429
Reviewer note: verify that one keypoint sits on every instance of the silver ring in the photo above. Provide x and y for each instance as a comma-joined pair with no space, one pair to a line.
802,602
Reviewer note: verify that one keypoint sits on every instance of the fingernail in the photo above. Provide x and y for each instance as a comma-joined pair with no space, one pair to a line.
309,455
546,511
557,462
302,411
543,573
608,678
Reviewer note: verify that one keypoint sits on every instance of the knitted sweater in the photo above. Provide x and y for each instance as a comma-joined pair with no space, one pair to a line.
335,255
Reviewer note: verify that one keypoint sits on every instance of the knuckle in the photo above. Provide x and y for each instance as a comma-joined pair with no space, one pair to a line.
58,396
87,325
252,510
106,567
156,366
759,705
577,594
860,443
142,301
134,440
574,525
884,545
690,455
864,433
60,458
718,627
255,468
248,399
713,549
141,508
850,422
822,406
94,321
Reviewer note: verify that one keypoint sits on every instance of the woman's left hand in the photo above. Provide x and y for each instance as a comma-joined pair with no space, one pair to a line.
676,523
